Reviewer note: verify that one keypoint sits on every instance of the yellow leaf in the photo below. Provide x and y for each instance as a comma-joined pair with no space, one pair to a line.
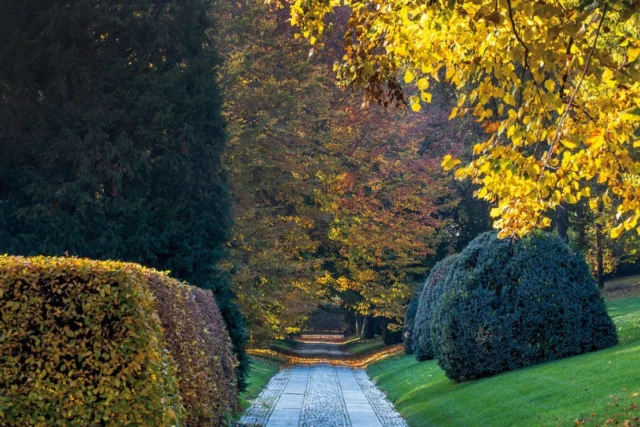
416,107
631,114
423,83
569,144
426,97
408,77
454,112
503,234
631,223
615,232
550,85
448,162
596,139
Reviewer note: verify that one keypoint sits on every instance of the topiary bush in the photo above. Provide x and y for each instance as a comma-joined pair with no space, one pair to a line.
426,305
409,320
508,304
108,343
80,344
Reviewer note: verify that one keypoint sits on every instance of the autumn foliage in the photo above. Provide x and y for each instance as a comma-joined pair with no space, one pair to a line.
557,84
96,343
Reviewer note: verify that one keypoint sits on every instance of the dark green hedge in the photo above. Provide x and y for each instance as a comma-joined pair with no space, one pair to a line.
509,304
409,320
427,303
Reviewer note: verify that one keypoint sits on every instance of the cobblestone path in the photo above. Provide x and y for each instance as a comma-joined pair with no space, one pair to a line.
321,396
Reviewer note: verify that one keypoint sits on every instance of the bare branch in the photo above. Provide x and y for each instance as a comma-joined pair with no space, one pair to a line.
556,138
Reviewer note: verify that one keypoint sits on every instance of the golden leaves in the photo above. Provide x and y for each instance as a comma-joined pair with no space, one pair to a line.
449,163
84,336
408,77
574,118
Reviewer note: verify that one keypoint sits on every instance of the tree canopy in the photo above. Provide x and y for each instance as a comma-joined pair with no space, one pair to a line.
556,83
332,201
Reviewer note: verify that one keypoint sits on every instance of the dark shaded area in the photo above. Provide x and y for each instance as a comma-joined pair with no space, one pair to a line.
110,138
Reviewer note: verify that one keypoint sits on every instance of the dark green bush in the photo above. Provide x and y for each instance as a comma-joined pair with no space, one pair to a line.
409,320
509,304
427,302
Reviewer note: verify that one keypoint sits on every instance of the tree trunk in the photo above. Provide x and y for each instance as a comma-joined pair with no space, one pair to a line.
599,252
562,221
356,316
367,330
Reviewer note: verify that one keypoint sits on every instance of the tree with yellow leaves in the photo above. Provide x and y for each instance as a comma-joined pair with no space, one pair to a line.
557,84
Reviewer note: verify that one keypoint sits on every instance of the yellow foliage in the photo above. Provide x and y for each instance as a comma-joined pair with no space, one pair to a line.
567,75
85,342
80,343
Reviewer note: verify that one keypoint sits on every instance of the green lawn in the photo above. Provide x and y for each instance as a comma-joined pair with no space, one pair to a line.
623,286
605,383
286,345
362,347
261,372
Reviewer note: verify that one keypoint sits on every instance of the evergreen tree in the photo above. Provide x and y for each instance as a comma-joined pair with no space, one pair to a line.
111,136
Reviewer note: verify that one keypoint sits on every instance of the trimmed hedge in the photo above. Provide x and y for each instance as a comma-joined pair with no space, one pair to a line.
509,304
426,306
196,338
86,343
409,320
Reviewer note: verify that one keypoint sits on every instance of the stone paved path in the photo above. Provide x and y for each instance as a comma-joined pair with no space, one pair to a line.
321,396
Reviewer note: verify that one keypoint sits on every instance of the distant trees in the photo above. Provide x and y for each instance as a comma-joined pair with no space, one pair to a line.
111,138
278,109
332,200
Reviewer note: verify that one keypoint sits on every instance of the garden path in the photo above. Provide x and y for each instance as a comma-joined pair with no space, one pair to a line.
321,395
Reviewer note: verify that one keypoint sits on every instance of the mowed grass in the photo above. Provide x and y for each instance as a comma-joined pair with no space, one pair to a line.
594,387
261,372
363,347
286,345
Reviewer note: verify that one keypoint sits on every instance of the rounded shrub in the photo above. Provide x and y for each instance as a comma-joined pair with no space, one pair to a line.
427,302
508,304
108,343
409,320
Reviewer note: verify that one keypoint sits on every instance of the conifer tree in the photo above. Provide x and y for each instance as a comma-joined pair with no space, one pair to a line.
111,136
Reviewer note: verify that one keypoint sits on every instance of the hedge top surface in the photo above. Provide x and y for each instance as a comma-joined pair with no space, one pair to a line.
509,304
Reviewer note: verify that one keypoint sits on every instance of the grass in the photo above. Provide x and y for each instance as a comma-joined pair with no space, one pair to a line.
261,372
594,387
622,286
362,347
286,345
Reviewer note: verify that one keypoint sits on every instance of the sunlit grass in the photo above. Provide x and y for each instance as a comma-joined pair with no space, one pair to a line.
261,372
356,347
594,387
